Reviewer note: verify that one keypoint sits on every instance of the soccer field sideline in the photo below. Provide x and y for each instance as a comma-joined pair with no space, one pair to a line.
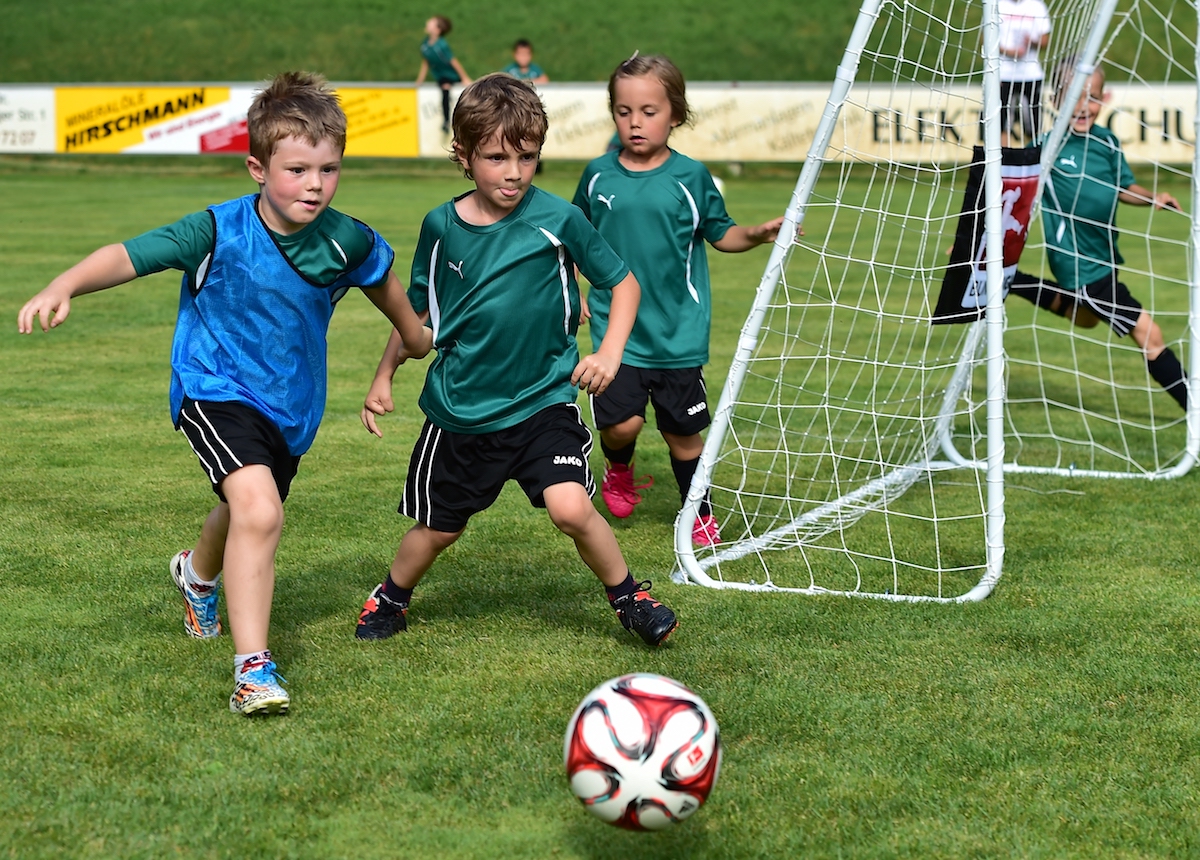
1055,719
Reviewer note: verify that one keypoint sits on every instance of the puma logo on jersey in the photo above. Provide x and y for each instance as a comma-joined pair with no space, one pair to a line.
697,409
607,201
567,460
456,269
1068,161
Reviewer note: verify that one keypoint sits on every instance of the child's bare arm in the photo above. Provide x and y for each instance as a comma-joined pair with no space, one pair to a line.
424,71
738,239
409,338
104,268
1139,195
594,372
379,396
393,302
462,73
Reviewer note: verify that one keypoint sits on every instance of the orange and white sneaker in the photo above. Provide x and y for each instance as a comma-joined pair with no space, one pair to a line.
257,690
200,618
619,491
705,531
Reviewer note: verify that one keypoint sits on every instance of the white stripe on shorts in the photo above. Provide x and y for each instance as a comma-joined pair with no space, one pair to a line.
206,431
590,486
431,438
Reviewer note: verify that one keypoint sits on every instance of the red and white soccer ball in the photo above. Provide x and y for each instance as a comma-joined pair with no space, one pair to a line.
642,752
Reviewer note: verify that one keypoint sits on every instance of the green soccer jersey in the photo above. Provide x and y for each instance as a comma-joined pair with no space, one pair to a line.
322,251
658,221
534,71
1079,207
504,306
439,55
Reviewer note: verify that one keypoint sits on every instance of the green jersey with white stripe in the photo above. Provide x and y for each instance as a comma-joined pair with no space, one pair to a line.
1079,207
504,306
658,221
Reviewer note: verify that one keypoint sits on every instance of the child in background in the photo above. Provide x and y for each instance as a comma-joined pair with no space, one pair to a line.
657,207
1024,32
437,59
1090,176
494,270
262,275
523,67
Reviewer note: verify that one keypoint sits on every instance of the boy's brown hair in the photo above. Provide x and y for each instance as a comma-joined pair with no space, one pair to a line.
295,104
444,24
497,101
668,75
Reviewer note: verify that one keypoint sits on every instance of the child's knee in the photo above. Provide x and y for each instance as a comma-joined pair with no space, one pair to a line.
253,499
570,511
435,538
620,435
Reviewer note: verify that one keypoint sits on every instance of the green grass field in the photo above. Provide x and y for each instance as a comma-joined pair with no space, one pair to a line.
1057,719
225,40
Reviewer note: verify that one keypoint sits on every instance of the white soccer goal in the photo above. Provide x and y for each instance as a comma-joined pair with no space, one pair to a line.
859,449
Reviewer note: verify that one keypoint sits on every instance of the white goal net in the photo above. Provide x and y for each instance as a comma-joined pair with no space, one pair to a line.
861,441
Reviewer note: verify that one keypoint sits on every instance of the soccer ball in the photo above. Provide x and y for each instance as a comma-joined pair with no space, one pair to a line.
642,752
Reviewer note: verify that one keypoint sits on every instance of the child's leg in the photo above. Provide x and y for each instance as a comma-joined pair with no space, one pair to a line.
1161,360
445,107
573,514
384,613
208,558
685,457
254,525
418,550
618,441
1049,296
620,413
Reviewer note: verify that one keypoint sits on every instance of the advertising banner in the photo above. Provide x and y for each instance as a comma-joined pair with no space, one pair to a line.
26,119
380,122
122,119
731,121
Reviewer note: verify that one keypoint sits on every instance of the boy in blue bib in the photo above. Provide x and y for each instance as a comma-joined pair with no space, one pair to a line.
261,277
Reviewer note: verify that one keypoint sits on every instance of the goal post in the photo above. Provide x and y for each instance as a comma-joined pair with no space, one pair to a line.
859,449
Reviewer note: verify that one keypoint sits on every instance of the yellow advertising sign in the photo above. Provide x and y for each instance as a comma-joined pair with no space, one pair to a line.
110,119
380,122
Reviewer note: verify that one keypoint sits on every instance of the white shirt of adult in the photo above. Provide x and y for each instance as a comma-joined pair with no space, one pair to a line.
1023,24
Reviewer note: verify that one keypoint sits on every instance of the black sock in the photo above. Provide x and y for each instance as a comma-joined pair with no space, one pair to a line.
396,594
446,106
684,470
1044,294
1167,372
623,589
624,456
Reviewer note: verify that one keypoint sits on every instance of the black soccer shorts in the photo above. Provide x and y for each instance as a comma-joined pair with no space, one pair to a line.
227,436
1109,299
679,396
452,476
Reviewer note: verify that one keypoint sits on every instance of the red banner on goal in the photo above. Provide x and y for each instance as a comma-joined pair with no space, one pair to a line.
963,297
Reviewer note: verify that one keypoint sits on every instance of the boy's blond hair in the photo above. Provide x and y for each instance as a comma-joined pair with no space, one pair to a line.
667,73
295,104
497,101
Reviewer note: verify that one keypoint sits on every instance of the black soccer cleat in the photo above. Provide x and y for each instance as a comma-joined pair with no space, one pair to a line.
642,614
380,617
